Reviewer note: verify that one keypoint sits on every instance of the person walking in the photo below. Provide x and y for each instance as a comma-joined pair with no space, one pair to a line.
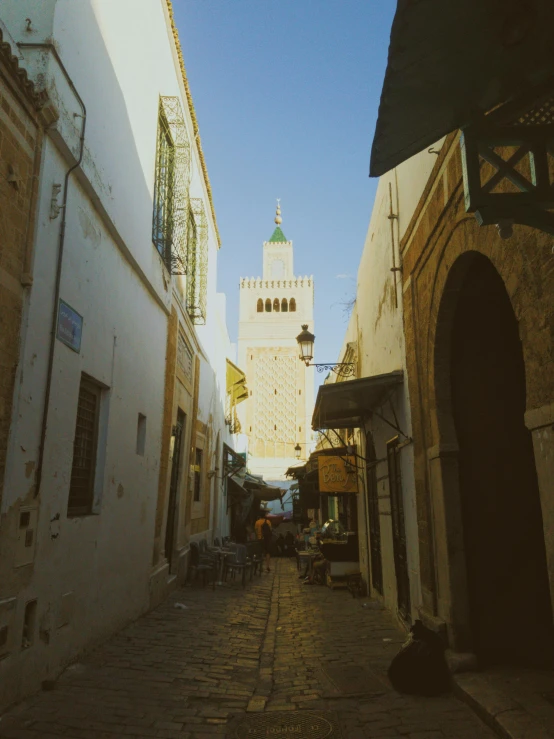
263,532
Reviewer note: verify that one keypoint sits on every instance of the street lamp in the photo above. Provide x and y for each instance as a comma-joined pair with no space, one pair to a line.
297,451
305,341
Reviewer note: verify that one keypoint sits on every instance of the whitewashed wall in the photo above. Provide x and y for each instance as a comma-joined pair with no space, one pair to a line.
121,58
376,325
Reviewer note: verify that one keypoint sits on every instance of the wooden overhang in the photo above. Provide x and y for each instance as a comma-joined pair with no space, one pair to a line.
346,405
449,64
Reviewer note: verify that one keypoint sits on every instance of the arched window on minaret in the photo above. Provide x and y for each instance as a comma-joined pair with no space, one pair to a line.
268,306
260,307
292,305
284,306
276,305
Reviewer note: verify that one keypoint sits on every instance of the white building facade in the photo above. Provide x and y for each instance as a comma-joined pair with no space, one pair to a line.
381,429
119,410
273,308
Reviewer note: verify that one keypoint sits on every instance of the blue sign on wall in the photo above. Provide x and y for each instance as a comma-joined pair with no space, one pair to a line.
70,327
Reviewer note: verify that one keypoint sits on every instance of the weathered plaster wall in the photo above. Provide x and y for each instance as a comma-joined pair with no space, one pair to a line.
20,154
376,330
91,574
441,232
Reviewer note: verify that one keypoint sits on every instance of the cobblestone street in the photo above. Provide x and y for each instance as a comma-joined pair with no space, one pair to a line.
234,656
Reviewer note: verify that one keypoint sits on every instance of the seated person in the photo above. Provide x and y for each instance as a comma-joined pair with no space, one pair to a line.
319,565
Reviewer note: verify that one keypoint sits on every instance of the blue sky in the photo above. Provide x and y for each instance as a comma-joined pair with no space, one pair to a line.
286,94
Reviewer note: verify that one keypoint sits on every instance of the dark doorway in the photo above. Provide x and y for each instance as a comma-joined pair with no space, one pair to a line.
509,599
177,446
398,530
324,507
373,515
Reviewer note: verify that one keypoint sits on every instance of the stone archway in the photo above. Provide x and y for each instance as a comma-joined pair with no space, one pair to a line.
497,581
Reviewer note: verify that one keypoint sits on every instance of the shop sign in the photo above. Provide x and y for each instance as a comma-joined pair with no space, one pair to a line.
337,474
70,327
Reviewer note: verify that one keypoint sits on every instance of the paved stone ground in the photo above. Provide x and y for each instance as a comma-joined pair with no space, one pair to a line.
236,655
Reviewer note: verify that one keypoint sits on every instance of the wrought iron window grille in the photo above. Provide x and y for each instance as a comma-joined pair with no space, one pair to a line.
171,186
197,261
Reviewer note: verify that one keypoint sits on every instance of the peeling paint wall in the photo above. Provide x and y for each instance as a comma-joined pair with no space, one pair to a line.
91,574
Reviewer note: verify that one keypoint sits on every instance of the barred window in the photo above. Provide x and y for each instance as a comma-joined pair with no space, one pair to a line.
81,487
171,186
162,224
197,261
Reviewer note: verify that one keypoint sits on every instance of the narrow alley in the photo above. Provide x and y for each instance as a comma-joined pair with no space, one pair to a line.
333,347
237,662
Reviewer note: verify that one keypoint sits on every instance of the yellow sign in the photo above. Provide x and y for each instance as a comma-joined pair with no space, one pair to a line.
337,474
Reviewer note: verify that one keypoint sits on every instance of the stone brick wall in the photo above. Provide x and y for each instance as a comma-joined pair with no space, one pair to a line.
439,233
20,148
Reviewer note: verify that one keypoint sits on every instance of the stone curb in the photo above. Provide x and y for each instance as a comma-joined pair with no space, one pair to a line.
502,714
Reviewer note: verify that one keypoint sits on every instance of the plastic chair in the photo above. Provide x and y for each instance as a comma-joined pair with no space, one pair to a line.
238,562
201,565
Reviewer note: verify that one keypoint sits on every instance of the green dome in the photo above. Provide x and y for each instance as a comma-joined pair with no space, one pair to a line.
278,237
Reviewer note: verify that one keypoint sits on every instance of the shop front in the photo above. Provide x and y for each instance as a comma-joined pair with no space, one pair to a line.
369,410
327,496
246,495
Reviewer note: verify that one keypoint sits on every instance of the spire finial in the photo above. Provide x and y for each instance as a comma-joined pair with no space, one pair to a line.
278,219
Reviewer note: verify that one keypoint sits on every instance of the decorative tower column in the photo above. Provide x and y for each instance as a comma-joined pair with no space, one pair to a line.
277,415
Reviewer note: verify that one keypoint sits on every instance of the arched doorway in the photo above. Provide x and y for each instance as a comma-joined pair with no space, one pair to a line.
507,580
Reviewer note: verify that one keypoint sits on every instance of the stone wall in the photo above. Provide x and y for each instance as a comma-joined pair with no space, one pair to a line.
440,233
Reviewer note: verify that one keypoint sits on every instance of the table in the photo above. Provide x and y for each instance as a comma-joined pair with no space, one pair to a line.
222,555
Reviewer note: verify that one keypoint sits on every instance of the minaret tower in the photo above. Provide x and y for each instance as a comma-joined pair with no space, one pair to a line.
278,413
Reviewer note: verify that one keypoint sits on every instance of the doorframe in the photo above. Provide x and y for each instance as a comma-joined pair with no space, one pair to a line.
398,525
175,480
446,534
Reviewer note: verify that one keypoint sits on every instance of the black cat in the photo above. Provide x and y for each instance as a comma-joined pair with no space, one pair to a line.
420,667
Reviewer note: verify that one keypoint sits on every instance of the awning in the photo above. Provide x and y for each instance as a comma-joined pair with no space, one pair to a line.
297,471
451,63
236,488
345,405
267,493
239,498
261,490
236,383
